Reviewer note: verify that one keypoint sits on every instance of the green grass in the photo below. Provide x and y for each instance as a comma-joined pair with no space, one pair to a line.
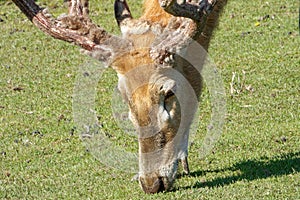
257,156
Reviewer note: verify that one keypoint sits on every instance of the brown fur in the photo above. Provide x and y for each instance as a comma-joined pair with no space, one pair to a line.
144,98
132,59
154,13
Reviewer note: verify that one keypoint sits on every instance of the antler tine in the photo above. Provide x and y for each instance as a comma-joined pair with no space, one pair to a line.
85,9
29,8
74,7
79,7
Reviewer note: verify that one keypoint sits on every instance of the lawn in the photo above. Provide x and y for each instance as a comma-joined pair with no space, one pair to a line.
256,49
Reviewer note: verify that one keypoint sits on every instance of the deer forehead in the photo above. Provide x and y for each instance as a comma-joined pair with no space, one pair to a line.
132,59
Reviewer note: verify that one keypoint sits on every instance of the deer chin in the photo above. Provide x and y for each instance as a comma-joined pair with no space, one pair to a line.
160,180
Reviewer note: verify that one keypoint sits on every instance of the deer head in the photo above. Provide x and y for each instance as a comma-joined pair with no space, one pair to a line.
160,86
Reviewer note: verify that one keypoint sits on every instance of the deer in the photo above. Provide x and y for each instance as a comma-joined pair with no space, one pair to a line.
154,78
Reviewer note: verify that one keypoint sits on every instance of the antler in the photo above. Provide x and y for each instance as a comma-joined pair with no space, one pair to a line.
76,27
181,31
190,9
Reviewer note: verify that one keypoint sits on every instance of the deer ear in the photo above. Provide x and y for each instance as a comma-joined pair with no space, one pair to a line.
122,11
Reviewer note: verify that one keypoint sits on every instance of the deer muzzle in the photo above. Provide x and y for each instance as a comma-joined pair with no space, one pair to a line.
152,183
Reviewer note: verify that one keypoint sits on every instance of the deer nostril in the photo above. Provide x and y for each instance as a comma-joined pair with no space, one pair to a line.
152,185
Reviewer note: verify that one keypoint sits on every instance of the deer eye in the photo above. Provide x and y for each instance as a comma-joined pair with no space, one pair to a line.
168,100
169,95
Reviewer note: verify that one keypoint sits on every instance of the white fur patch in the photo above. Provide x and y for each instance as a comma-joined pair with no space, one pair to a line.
135,28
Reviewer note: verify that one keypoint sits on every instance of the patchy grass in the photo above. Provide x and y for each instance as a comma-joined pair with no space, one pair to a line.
257,156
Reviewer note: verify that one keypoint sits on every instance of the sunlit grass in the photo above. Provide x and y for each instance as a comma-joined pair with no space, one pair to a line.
257,157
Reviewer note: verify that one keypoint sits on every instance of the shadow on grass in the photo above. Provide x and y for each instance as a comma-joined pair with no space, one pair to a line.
254,169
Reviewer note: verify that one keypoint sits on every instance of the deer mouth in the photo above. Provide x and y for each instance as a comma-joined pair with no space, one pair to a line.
155,184
159,181
152,185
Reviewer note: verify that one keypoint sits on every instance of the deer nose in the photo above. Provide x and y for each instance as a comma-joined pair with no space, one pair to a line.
151,184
